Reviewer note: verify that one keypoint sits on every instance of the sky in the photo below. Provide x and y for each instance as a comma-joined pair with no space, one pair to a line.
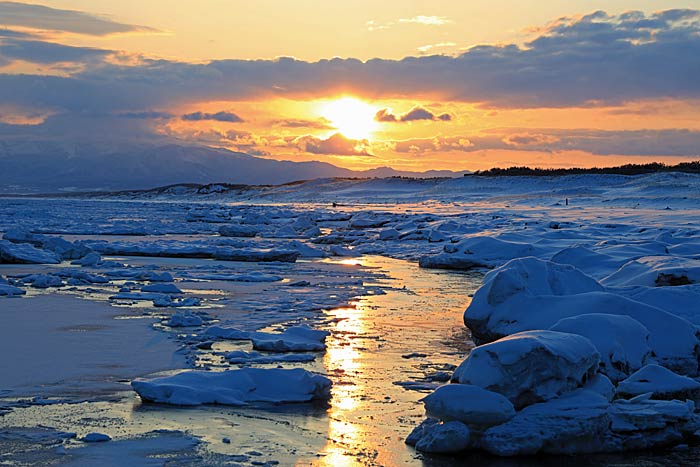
415,85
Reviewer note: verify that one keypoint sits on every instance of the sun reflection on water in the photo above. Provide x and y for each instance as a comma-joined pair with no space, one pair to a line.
343,358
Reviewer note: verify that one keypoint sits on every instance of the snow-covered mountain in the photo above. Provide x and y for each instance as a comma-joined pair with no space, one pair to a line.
42,166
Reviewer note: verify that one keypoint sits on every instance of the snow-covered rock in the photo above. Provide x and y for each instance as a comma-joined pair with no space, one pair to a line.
661,382
235,387
444,438
530,367
478,252
621,341
471,405
574,423
510,297
24,253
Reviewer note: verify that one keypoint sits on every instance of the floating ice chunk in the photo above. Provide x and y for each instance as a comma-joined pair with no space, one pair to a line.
293,339
168,301
9,290
237,230
91,259
185,319
478,252
95,438
161,288
24,253
227,333
249,277
622,342
530,367
43,281
305,251
368,221
256,255
241,357
235,387
468,404
444,438
63,248
389,234
337,250
661,382
651,271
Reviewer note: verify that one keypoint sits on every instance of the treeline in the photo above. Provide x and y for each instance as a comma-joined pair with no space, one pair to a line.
627,169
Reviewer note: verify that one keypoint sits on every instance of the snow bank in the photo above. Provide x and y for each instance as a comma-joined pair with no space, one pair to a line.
531,366
235,387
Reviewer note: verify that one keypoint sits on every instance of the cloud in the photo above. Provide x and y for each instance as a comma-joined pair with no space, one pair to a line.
427,20
675,142
48,52
374,25
416,113
320,124
336,144
587,61
440,45
78,22
218,116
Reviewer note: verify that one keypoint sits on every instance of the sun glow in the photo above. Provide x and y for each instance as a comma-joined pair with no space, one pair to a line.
352,117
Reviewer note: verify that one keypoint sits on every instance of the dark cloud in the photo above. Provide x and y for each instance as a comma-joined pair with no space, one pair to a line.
676,142
147,115
43,17
336,144
416,113
218,116
46,53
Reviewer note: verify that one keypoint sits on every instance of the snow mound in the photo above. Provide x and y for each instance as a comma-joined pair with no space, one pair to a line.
661,382
622,342
530,367
235,387
468,404
478,252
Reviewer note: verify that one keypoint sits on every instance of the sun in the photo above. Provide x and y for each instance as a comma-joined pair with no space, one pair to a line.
352,117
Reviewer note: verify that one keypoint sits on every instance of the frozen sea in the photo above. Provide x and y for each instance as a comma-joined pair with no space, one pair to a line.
144,285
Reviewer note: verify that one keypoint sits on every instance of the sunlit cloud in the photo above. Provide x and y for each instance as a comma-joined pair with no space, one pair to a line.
337,144
427,20
431,47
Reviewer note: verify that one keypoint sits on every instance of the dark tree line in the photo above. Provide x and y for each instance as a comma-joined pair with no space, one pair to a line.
627,169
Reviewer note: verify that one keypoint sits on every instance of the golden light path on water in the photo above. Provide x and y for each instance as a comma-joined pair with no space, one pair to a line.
369,416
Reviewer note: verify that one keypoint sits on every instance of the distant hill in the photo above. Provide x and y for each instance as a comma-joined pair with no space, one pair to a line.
627,169
45,166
